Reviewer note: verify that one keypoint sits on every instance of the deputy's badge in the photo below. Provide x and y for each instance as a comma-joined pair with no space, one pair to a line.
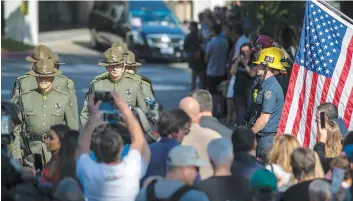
57,107
128,92
268,94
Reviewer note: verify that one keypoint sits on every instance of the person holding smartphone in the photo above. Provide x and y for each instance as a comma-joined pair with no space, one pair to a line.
242,69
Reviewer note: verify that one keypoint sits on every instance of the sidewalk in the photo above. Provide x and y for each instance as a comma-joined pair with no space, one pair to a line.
71,42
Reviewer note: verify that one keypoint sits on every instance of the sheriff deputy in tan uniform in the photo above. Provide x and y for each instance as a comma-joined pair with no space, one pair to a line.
28,82
44,107
125,84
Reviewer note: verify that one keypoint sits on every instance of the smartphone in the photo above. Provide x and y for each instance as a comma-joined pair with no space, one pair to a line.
322,119
6,125
38,164
106,99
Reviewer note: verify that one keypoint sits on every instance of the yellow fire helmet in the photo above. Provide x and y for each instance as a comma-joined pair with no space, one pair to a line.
271,57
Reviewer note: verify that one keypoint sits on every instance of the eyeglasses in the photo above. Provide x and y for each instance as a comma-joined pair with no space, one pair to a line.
186,130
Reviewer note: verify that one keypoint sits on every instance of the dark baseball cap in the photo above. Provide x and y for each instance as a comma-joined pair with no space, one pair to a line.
263,178
262,42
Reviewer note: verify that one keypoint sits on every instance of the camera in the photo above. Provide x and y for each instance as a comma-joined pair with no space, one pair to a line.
106,100
110,113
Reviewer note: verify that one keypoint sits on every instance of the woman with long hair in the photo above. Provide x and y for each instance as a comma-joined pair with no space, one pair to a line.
66,167
333,145
54,142
279,161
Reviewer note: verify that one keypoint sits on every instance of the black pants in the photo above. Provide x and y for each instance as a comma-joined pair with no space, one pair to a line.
213,82
241,103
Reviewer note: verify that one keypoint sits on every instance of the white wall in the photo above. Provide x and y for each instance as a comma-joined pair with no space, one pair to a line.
201,5
20,27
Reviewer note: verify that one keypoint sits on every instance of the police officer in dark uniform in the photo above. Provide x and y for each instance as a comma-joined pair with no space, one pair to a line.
269,101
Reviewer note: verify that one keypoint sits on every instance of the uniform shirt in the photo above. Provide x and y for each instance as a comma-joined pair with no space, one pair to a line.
272,100
43,110
216,52
27,82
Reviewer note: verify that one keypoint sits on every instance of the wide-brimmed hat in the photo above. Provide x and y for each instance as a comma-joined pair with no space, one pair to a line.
121,46
44,68
112,56
130,60
55,58
39,52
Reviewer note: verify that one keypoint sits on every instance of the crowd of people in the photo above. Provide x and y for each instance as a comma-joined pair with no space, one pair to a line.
196,157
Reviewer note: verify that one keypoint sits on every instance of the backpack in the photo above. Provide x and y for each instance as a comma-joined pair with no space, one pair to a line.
151,196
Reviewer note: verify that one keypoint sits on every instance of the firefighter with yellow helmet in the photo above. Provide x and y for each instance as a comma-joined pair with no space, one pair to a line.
270,99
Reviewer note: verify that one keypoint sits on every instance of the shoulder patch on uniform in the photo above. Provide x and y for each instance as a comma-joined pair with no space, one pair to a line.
268,94
145,79
132,76
101,76
27,92
23,76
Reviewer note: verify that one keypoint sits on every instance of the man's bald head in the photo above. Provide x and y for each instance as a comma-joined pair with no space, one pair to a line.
190,107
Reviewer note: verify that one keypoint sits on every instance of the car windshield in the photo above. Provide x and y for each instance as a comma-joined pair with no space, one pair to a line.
149,17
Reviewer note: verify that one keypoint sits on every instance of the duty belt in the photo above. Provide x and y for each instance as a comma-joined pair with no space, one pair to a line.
265,134
37,137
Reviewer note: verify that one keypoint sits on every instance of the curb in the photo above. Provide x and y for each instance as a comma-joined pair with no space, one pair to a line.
9,54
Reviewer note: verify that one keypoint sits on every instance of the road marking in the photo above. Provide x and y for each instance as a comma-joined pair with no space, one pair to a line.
6,91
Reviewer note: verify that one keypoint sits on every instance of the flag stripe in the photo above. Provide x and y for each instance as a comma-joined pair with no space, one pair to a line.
300,105
325,90
296,97
310,107
348,112
303,104
289,99
320,85
344,71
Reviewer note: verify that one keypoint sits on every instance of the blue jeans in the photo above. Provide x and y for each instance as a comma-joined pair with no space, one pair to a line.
264,144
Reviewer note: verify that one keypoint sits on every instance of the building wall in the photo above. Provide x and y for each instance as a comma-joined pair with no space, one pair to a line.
18,27
199,6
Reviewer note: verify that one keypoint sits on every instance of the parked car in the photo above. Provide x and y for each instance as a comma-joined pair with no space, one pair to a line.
149,28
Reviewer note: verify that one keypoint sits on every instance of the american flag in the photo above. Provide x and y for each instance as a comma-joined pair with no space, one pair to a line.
322,72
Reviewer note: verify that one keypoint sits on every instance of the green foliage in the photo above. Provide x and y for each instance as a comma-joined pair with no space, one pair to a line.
272,12
8,44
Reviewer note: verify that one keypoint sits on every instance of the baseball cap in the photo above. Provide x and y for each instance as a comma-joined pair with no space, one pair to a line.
262,178
263,42
183,156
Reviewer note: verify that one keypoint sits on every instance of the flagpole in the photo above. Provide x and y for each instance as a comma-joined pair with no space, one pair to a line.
337,11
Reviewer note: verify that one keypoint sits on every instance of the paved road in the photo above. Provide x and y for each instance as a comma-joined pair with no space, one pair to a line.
171,82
